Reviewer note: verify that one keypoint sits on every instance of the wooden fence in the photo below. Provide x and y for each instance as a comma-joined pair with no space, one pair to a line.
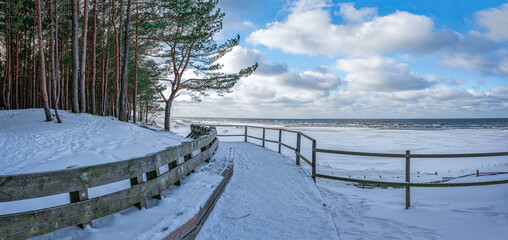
407,156
81,210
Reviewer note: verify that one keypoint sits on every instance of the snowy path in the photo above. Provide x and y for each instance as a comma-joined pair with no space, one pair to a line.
268,197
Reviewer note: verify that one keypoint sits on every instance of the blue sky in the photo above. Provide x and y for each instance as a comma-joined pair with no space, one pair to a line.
363,59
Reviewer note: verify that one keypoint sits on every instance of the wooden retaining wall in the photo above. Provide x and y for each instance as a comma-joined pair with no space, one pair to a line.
190,229
81,211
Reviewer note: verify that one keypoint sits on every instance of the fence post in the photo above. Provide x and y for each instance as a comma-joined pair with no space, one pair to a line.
142,201
314,160
204,148
245,134
298,140
263,137
153,175
172,165
79,196
280,138
408,179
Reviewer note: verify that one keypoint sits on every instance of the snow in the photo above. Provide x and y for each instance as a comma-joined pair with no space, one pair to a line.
268,197
177,206
436,213
30,144
393,141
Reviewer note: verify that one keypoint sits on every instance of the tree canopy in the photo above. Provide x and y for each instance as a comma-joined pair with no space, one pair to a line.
111,57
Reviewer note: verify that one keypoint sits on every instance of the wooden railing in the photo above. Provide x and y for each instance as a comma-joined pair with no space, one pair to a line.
81,210
297,148
407,156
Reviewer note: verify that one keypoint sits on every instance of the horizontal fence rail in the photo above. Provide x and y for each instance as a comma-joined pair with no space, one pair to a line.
407,156
81,211
395,155
263,139
403,184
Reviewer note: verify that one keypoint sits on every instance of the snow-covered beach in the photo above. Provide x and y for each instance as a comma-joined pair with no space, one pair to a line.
435,213
291,206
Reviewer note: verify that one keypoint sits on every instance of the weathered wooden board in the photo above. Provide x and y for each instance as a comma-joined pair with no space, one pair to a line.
41,184
33,223
402,184
401,155
191,228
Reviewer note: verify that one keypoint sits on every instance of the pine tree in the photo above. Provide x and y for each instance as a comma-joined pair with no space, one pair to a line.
185,31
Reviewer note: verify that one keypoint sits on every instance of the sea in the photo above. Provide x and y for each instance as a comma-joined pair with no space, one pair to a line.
402,124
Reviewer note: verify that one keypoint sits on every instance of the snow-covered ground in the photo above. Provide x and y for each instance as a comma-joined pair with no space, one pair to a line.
30,144
177,206
436,213
268,197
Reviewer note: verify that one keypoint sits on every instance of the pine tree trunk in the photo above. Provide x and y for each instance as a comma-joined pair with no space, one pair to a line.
167,114
135,93
34,69
43,69
82,87
75,57
117,62
54,57
146,117
94,56
16,73
8,64
7,81
124,114
52,51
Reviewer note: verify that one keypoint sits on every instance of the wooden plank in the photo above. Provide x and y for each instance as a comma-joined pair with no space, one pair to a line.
402,184
191,228
258,138
245,134
297,151
207,209
393,155
304,158
460,155
408,178
34,185
32,223
263,139
280,139
314,160
287,146
272,141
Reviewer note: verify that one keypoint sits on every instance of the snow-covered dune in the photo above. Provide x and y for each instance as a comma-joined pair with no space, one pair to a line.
30,144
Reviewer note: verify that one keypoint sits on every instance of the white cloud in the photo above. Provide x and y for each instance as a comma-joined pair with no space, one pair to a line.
310,80
457,81
495,20
482,49
485,64
500,92
308,29
502,67
381,74
466,61
355,16
423,103
280,75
